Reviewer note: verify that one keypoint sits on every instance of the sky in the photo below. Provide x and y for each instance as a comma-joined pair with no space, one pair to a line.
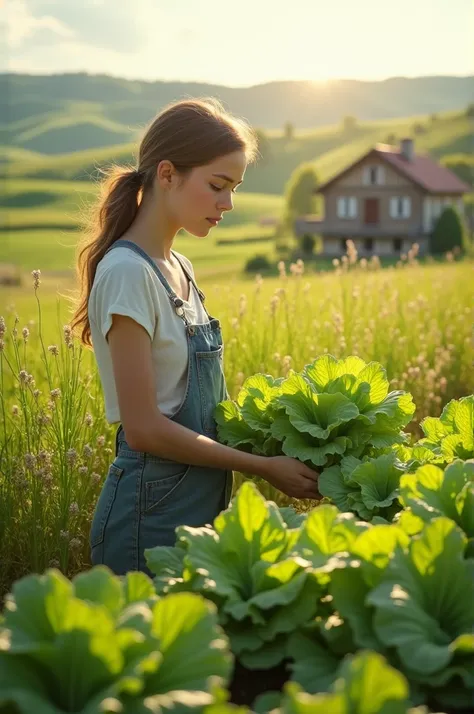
239,43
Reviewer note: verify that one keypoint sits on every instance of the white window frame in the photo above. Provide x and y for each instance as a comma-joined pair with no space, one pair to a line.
400,207
379,175
347,207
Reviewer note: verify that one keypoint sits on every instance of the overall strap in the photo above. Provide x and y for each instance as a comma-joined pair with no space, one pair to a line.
202,297
175,300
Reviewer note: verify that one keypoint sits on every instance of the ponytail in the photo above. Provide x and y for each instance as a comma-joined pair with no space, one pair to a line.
110,218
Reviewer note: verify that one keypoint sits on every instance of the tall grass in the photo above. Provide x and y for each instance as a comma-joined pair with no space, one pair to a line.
55,443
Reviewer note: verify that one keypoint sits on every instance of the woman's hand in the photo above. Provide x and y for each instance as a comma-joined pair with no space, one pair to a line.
292,477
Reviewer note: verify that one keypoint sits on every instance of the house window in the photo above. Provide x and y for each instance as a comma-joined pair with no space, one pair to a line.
374,175
400,207
397,245
347,207
369,245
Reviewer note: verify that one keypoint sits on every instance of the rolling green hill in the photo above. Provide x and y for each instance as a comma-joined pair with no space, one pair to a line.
59,205
329,148
306,104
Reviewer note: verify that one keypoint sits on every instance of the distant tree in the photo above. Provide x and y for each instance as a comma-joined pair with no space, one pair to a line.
447,233
349,123
419,128
433,118
289,131
390,139
299,193
470,110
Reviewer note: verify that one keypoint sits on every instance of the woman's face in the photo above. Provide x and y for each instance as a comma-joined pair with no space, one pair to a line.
199,202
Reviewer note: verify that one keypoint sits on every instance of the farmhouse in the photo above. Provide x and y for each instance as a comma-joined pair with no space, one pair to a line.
388,199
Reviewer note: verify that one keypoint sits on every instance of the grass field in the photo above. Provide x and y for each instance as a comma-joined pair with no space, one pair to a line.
41,218
416,321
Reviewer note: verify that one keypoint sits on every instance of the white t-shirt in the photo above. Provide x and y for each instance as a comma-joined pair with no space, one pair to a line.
125,284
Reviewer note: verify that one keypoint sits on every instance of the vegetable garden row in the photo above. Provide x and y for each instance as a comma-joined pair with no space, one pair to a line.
362,605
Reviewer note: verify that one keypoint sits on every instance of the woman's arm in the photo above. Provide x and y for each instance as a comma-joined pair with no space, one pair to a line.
147,429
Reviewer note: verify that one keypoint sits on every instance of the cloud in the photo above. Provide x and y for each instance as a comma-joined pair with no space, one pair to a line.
22,25
105,24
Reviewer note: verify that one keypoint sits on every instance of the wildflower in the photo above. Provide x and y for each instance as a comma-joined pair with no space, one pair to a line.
55,393
242,305
89,420
54,563
2,345
101,440
36,278
351,251
82,470
3,327
74,508
336,262
68,335
44,456
54,350
30,461
286,364
26,333
75,543
64,534
96,478
15,410
23,376
43,419
87,451
71,456
36,393
274,304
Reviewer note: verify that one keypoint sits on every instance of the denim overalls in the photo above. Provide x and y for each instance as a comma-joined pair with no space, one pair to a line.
145,497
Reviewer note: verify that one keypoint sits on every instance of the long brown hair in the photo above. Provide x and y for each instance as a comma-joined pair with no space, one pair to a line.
188,133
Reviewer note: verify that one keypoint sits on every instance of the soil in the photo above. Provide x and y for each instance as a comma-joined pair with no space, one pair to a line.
247,684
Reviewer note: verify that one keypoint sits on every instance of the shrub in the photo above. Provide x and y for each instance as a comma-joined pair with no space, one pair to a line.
258,262
447,233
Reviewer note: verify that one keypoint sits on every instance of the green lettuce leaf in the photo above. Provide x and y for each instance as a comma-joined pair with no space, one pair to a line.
104,643
451,436
425,601
244,565
430,493
326,532
330,410
365,684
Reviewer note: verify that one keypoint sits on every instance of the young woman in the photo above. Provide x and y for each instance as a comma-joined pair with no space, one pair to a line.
159,353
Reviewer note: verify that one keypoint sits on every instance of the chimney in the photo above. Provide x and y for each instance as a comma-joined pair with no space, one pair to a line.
407,149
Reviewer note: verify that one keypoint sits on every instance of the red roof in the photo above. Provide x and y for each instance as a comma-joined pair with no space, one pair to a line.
422,170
